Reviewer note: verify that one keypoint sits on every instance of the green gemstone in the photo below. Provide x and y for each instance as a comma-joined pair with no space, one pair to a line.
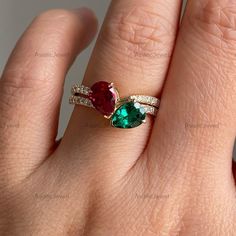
128,115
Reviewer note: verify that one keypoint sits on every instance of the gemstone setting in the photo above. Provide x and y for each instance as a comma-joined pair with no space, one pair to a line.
129,115
104,97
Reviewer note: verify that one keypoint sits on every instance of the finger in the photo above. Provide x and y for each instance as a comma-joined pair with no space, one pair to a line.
32,84
234,169
133,52
197,119
234,162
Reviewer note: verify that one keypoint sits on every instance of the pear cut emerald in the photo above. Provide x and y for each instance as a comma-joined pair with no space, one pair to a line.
128,115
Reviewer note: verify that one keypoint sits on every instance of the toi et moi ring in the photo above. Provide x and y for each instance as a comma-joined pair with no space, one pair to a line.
125,113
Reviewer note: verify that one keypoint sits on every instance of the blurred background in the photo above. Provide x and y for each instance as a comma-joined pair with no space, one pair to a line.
15,17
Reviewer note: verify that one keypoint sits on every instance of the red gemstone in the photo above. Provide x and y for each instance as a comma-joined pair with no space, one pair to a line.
103,97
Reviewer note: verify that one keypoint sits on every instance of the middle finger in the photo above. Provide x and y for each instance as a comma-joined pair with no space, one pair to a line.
133,51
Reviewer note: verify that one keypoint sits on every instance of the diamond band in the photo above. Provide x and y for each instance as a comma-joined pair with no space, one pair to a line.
78,100
80,89
128,112
152,101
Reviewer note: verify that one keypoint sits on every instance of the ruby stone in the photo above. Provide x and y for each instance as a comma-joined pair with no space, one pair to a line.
103,97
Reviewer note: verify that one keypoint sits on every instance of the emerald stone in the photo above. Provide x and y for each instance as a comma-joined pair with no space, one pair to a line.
128,115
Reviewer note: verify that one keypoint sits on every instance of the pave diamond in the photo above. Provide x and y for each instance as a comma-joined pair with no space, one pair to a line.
80,89
146,100
150,110
77,100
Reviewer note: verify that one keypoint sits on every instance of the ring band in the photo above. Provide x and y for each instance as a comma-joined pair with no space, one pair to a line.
83,90
128,112
78,100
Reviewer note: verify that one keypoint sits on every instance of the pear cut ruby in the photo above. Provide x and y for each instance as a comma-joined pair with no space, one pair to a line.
103,97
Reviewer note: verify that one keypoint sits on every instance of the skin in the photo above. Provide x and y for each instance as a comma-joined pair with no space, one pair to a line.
172,176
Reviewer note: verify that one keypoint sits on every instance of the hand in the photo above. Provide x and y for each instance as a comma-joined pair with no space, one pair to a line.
168,177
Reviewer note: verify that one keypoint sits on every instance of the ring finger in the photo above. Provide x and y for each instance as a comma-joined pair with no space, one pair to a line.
133,51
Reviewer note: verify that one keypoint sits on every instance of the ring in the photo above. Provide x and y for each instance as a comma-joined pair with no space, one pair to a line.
126,113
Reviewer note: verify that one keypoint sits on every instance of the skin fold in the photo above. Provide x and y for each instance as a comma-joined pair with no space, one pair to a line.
172,176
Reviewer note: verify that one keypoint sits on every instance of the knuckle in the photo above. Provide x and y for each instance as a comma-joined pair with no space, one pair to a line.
19,81
12,93
17,85
137,30
13,89
215,22
209,35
